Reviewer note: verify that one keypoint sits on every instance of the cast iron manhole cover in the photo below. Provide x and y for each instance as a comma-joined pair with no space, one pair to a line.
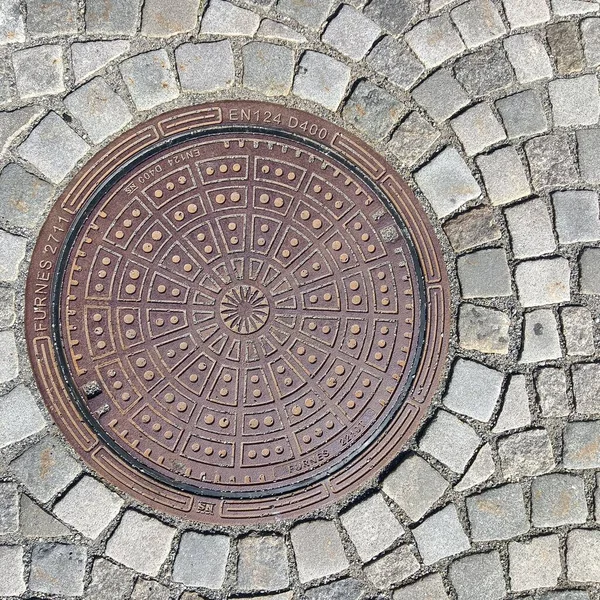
237,312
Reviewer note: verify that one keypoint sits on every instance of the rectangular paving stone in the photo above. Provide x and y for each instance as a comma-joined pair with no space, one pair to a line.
590,31
565,595
311,13
58,569
434,41
588,145
484,72
484,274
583,555
589,281
578,329
534,563
392,15
224,18
526,14
12,582
201,559
577,216
162,19
483,329
268,68
7,308
318,549
428,588
48,17
478,577
20,416
522,114
9,508
515,409
586,388
12,26
39,71
558,499
528,58
112,17
565,46
396,61
477,128
543,281
581,448
540,337
346,589
9,358
109,582
205,67
504,176
12,252
550,161
351,33
530,229
473,228
575,101
262,563
551,388
565,8
413,138
392,568
478,22
440,95
526,454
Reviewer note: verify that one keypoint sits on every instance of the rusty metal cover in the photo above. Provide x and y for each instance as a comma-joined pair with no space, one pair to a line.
237,312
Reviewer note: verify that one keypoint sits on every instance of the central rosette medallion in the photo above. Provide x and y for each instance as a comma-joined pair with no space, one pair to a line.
244,309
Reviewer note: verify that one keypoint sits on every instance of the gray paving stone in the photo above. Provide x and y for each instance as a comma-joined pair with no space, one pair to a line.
224,18
20,416
268,68
109,582
205,67
586,388
415,486
49,18
573,7
558,500
588,144
534,563
37,523
112,17
504,175
565,47
447,182
12,26
143,543
497,514
372,110
6,77
9,359
590,31
41,148
590,271
99,109
578,329
478,22
311,13
9,508
522,114
90,57
551,387
392,15
583,555
351,33
392,568
441,535
149,79
473,228
7,308
440,95
372,527
39,71
526,454
565,595
575,101
530,229
550,161
12,582
58,569
450,440
483,329
413,138
160,19
484,274
581,449
12,252
528,58
13,123
481,469
428,588
526,14
396,61
478,577
544,281
45,468
278,31
435,40
515,409
321,79
345,589
477,128
485,71
149,590
262,563
577,218
474,389
540,337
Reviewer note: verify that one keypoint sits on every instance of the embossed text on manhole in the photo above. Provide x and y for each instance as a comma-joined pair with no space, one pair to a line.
237,312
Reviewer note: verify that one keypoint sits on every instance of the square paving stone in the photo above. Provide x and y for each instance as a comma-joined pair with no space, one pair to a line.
109,582
550,161
12,582
551,387
477,128
450,440
415,486
543,281
577,216
481,469
590,31
515,408
540,337
565,46
428,588
484,274
9,508
440,95
581,448
478,22
39,71
588,145
575,101
201,560
441,535
112,17
583,555
321,79
53,148
46,468
484,72
497,514
47,17
530,229
558,500
58,569
447,182
142,543
262,563
522,114
90,57
100,110
161,19
483,329
268,68
435,40
351,33
526,454
473,228
318,549
528,58
396,61
205,67
20,416
474,389
578,329
12,252
534,563
12,27
224,18
392,15
311,13
586,388
9,358
589,281
372,527
393,568
478,577
413,138
525,14
504,176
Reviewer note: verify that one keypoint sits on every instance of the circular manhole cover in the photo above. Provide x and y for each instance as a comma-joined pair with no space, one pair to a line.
237,312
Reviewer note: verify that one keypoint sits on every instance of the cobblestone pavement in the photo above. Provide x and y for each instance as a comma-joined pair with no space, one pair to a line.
491,111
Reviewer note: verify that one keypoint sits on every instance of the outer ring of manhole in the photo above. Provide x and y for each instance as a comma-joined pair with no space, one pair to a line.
339,352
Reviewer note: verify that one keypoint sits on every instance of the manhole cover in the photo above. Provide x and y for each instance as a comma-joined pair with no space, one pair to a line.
237,312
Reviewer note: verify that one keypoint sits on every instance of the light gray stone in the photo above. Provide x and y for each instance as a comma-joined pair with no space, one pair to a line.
586,388
9,359
486,71
344,589
530,229
565,8
565,47
478,22
481,469
504,176
575,101
112,17
590,271
321,79
544,281
20,416
274,30
447,182
540,335
109,582
160,19
13,123
497,514
526,14
351,33
583,555
590,31
522,114
551,387
58,569
558,500
37,523
473,228
7,308
205,67
565,595
9,508
149,590
51,18
12,252
12,582
396,62
224,18
450,440
484,274
201,560
142,543
515,409
311,13
440,95
392,568
39,71
477,128
371,526
428,588
413,138
12,26
528,57
588,145
441,535
478,577
581,447
578,329
268,68
392,15
526,454
6,79
534,563
577,216
318,549
262,563
434,41
550,161
483,329
90,57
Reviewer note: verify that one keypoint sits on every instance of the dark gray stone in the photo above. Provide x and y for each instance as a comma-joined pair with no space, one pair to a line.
558,499
150,590
581,447
522,114
586,388
526,454
413,138
484,274
551,387
478,577
345,589
51,17
396,61
112,17
563,39
109,582
484,72
58,569
473,228
577,216
550,161
37,523
483,329
262,563
440,95
392,15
